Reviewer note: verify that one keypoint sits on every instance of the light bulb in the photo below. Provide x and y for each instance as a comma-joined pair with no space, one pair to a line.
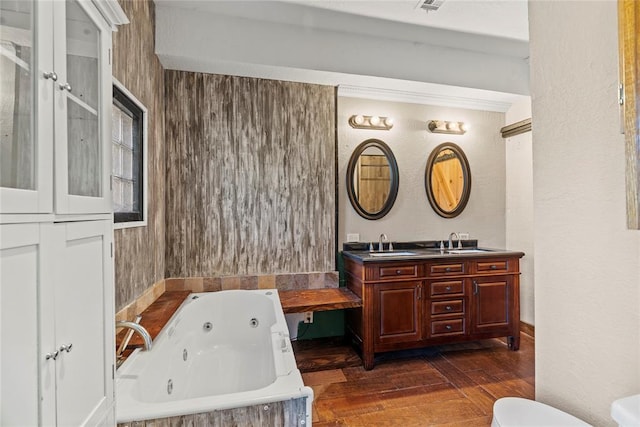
374,120
358,119
388,121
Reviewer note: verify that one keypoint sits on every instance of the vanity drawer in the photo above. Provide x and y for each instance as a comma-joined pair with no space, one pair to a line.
448,269
447,327
398,271
491,266
447,307
448,288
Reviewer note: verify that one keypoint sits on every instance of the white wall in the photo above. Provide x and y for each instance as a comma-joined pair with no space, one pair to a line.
411,217
587,263
519,204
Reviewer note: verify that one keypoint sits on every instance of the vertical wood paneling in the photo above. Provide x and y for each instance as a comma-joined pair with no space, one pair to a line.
250,176
139,252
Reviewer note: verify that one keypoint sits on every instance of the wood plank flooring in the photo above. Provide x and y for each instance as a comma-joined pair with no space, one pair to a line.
454,385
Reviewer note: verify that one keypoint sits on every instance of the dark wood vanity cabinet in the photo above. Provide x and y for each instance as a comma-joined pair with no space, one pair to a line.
398,312
433,302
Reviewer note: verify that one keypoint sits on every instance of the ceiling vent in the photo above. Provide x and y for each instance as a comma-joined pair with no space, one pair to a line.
429,5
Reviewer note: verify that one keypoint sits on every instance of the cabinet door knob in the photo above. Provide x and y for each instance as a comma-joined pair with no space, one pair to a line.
447,269
53,355
448,308
66,347
448,288
65,86
493,267
50,75
448,327
398,271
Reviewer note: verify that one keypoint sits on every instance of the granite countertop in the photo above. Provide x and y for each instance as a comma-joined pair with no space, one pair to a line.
423,250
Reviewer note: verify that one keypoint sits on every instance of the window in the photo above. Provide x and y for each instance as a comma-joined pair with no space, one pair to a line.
128,152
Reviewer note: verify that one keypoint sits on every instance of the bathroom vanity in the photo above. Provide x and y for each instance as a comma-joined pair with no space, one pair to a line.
425,296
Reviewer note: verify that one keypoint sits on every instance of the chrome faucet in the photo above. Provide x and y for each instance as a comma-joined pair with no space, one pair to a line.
139,329
383,237
451,243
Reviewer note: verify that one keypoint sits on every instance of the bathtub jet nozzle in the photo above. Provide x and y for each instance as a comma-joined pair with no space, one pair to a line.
207,326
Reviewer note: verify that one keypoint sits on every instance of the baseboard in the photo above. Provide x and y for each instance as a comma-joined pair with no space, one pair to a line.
527,329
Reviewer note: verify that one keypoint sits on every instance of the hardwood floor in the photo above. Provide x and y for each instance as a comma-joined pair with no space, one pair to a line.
454,385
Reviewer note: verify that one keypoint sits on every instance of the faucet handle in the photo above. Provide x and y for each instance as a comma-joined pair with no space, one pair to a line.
390,246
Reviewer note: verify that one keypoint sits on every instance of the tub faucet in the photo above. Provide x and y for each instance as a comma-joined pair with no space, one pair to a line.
383,237
139,329
451,243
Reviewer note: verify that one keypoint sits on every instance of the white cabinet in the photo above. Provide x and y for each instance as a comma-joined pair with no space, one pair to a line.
57,323
56,87
20,259
77,386
56,267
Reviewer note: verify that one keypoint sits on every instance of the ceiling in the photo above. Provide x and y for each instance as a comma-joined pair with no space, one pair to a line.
501,18
387,45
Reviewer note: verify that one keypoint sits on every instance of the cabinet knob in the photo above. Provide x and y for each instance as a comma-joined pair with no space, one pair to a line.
398,271
65,86
493,267
447,269
448,327
66,347
50,75
53,355
448,288
448,308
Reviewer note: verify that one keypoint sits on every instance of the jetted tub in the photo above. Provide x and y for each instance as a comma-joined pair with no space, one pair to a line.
220,350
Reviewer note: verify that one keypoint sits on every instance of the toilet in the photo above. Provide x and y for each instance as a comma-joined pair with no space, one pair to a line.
626,411
519,412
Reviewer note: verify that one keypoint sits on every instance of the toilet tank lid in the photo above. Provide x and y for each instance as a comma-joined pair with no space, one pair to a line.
626,411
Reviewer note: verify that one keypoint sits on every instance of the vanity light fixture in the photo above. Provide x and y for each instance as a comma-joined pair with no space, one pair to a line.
452,128
370,122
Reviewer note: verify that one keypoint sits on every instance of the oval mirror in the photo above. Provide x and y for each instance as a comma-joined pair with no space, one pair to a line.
448,180
372,179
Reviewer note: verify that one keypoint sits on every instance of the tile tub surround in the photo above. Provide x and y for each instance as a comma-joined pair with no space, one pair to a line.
314,280
293,281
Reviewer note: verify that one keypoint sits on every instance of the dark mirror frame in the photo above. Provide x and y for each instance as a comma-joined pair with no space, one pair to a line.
466,174
393,172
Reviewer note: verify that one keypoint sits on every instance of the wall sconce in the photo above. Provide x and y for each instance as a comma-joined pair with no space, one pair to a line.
452,128
370,122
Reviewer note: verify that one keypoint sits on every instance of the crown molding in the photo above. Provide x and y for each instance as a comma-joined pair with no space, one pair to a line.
501,102
112,13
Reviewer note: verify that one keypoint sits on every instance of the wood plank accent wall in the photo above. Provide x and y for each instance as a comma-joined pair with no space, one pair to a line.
250,184
139,252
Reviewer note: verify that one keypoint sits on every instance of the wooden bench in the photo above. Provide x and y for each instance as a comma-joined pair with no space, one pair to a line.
303,300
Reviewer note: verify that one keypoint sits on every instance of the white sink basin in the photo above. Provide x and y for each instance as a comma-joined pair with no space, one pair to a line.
388,254
467,251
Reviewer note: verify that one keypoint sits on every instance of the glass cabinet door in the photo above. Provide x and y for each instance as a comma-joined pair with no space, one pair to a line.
81,97
25,172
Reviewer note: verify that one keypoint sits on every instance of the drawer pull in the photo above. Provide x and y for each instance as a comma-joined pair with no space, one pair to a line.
493,267
448,308
448,327
475,287
448,288
447,269
398,271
